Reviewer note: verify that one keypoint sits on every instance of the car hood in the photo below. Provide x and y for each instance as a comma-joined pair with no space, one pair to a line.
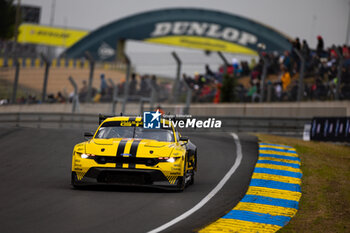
143,147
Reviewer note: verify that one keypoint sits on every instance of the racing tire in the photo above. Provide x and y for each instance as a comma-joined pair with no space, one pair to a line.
192,178
195,161
181,185
194,168
74,181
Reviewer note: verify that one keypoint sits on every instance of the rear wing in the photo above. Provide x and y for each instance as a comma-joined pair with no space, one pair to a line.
101,118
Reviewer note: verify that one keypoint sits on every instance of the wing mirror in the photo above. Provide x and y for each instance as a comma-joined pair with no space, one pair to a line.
88,135
184,138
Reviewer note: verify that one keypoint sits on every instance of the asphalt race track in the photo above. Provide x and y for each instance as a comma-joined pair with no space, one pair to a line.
36,196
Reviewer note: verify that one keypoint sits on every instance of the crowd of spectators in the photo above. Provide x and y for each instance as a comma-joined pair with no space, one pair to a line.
320,75
139,86
320,79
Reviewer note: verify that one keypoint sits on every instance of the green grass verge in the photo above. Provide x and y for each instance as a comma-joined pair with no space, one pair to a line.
325,201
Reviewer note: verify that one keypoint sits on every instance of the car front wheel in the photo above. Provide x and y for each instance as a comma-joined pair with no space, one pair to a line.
74,180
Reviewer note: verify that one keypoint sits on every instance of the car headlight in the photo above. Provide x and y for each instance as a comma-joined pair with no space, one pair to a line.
171,160
87,156
167,159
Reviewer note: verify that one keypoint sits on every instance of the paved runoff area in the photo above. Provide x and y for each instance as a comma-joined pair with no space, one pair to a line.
273,195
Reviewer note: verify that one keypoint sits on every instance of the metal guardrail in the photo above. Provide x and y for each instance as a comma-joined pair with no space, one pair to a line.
49,120
292,126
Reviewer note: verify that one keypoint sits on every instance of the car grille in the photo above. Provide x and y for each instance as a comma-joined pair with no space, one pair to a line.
128,160
124,178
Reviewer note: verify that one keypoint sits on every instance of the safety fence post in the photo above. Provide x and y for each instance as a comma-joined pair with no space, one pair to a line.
153,97
301,75
91,60
15,83
263,76
269,92
176,86
75,100
339,72
188,98
114,95
46,76
151,100
142,101
126,86
224,60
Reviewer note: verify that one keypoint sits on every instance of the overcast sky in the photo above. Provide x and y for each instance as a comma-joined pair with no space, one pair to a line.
302,18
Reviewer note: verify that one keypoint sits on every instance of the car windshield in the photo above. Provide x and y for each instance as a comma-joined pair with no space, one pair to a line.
110,130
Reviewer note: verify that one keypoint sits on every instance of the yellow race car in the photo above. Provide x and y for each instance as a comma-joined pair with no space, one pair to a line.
123,152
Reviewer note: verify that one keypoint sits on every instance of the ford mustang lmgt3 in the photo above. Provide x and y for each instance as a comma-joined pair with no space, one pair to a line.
123,152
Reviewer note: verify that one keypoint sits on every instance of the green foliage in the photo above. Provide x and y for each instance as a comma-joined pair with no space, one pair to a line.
228,89
7,19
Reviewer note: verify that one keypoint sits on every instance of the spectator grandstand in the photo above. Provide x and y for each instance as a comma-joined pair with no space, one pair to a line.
321,71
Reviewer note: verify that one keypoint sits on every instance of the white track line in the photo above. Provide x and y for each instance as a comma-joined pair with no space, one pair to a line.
212,192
